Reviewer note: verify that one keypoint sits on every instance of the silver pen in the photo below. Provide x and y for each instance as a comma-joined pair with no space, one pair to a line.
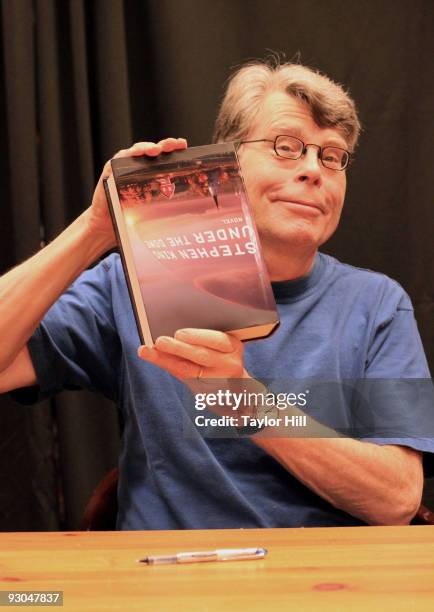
223,554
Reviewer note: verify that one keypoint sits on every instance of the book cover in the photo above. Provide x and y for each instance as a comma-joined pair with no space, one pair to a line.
189,245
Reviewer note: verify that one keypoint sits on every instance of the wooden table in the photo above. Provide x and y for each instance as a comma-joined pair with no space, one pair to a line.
338,569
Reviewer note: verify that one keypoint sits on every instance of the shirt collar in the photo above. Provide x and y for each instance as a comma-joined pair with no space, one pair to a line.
294,288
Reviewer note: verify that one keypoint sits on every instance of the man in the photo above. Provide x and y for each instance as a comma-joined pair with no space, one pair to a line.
297,131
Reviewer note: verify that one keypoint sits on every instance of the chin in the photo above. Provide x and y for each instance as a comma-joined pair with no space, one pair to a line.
286,240
299,231
303,240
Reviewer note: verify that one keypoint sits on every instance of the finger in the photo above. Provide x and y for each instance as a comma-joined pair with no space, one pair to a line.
198,354
170,144
219,341
152,148
139,148
121,153
178,367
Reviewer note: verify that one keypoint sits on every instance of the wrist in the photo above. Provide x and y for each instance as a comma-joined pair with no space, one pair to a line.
98,234
263,415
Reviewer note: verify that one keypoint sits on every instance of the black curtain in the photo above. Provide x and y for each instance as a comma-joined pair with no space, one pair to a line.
84,78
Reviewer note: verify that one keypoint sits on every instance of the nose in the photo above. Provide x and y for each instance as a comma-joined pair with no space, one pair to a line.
309,166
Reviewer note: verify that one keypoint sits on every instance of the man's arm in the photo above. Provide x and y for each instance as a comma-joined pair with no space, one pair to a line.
382,485
30,289
20,373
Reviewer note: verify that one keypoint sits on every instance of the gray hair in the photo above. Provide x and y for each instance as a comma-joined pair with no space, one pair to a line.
329,103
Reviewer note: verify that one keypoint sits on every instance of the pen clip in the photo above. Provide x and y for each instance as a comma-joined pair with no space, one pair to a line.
238,554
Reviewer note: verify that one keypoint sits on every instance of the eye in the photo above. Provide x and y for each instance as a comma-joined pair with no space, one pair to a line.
332,155
334,158
288,146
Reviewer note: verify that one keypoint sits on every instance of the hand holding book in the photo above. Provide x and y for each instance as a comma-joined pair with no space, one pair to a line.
198,353
206,359
98,213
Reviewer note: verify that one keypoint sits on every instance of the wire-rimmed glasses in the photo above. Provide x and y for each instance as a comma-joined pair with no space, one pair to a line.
291,147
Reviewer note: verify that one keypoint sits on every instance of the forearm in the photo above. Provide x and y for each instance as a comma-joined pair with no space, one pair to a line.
378,484
28,291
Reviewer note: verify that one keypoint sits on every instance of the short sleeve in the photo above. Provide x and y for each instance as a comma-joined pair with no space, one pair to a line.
396,349
398,393
76,346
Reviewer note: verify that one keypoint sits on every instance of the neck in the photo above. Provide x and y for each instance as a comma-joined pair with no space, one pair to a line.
288,266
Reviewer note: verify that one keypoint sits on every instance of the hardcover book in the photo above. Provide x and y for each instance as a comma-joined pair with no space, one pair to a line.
188,244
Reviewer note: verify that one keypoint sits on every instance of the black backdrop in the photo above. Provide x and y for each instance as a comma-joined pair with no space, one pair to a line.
85,78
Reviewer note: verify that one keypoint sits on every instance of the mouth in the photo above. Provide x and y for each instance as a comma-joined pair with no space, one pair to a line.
313,206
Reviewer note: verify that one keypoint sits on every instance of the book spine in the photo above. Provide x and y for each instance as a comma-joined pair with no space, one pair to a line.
127,263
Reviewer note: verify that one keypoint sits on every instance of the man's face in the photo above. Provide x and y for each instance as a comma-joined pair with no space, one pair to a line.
296,203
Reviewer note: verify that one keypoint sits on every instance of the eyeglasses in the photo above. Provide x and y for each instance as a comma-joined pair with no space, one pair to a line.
291,147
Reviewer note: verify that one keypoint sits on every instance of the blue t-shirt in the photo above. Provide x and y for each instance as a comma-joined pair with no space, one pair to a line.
337,323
